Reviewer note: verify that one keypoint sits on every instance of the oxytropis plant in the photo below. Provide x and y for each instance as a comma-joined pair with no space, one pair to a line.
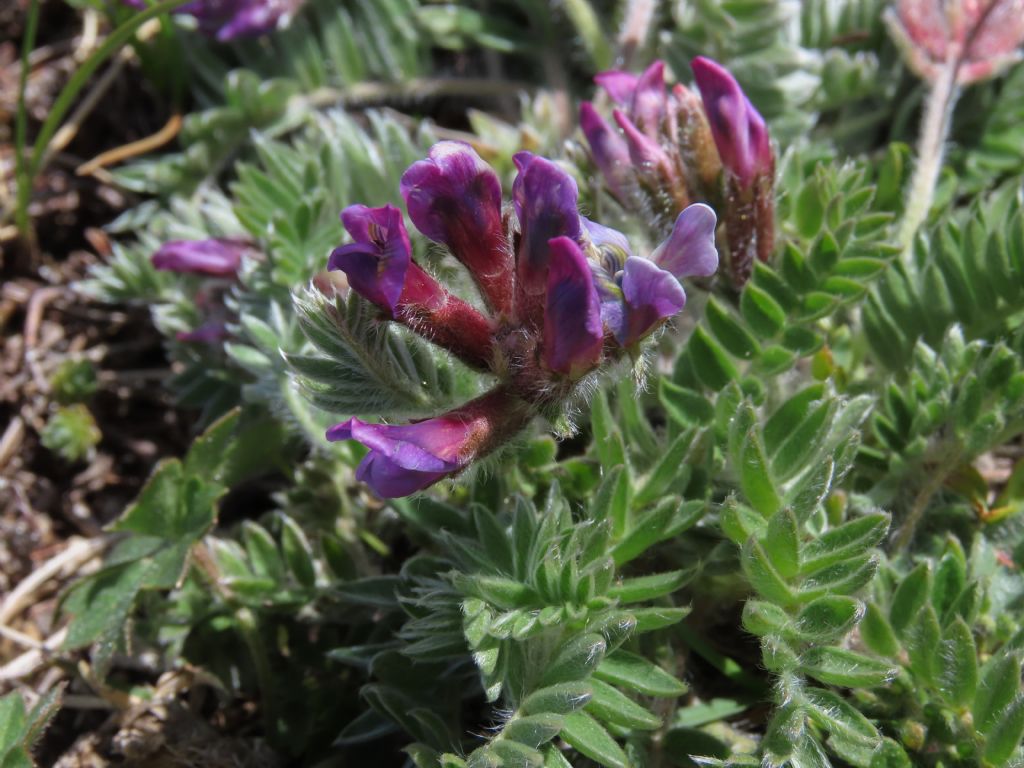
673,148
231,19
563,300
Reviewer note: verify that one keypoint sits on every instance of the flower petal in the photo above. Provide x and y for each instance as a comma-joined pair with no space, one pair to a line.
216,257
545,200
618,84
572,317
609,150
454,198
740,133
650,102
690,250
650,295
405,458
378,261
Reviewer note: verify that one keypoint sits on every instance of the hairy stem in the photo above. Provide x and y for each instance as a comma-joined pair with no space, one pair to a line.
930,149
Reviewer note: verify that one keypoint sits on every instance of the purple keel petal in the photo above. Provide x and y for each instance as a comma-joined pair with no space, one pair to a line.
619,85
611,155
454,198
690,250
545,200
572,316
650,102
406,458
216,257
740,133
377,262
650,295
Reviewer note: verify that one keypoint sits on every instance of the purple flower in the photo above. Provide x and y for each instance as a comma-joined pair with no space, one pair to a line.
650,101
545,201
619,85
454,198
211,332
230,19
610,151
377,262
740,133
690,250
380,268
572,316
407,458
638,294
214,257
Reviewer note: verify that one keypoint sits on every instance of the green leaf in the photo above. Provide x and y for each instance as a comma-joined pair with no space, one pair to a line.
607,438
533,730
669,474
683,405
297,552
1000,683
761,311
576,660
647,531
644,588
211,451
613,706
877,633
1006,733
843,542
851,734
958,675
890,754
12,722
763,576
636,673
829,618
584,734
511,753
762,618
710,362
836,666
733,336
909,597
755,476
782,544
262,551
922,640
611,502
561,699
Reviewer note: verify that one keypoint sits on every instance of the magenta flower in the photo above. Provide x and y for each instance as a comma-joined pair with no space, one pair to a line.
573,334
564,297
545,202
380,268
214,257
454,198
740,133
407,458
637,294
230,19
981,38
670,147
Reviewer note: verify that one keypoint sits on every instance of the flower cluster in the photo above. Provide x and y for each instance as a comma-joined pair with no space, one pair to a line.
670,148
215,258
980,38
229,19
562,299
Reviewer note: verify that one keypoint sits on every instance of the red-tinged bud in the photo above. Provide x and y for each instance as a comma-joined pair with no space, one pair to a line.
749,220
981,38
407,458
696,143
654,167
739,131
